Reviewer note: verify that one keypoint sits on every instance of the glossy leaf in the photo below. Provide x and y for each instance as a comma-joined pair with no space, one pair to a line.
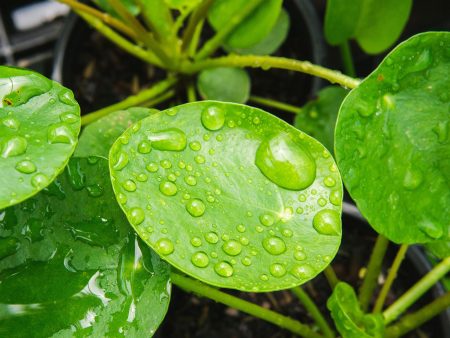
74,267
392,142
224,84
128,4
39,126
350,320
375,24
440,249
271,41
251,30
318,117
159,19
230,195
98,137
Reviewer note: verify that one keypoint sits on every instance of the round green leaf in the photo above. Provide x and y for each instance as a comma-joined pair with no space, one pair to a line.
39,126
224,84
392,142
271,41
251,30
230,194
340,23
440,249
350,320
318,117
97,138
71,265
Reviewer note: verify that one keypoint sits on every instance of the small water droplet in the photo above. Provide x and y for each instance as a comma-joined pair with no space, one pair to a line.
336,197
13,146
136,215
301,198
152,167
223,269
60,133
121,198
211,237
266,219
172,139
166,164
195,145
164,246
26,167
190,180
299,210
95,190
195,207
302,271
213,118
287,233
232,247
129,185
277,270
264,277
240,227
39,181
322,201
329,181
144,147
441,131
274,245
327,222
247,261
431,229
11,123
142,178
412,179
200,259
199,159
66,97
299,255
168,188
195,241
69,118
121,161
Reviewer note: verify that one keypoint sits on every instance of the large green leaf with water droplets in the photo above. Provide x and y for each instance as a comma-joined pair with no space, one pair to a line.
392,142
318,117
252,29
350,320
375,24
70,264
230,195
98,137
39,126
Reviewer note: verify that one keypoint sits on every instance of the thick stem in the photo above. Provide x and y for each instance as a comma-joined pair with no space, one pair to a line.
373,271
390,278
313,310
416,319
267,62
195,20
212,44
273,317
331,277
347,59
191,95
275,104
134,100
416,291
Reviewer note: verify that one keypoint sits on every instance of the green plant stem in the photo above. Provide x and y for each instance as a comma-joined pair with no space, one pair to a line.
134,100
416,291
117,39
195,20
164,97
275,104
313,310
191,95
195,286
373,271
267,62
192,49
212,44
347,59
390,278
331,277
105,17
416,319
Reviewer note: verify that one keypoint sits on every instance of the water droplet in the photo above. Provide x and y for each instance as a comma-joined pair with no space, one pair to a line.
121,161
210,199
213,254
274,245
256,120
129,185
142,178
195,207
60,133
190,180
287,233
144,147
172,139
247,261
327,222
195,241
329,181
39,181
152,167
301,198
223,269
166,164
168,188
322,202
244,240
441,131
94,190
211,237
286,163
26,167
121,198
431,229
13,146
240,227
136,215
264,277
66,97
299,210
232,247
336,197
412,179
302,271
277,270
195,145
266,220
213,118
199,159
299,255
164,246
69,118
11,123
365,109
200,259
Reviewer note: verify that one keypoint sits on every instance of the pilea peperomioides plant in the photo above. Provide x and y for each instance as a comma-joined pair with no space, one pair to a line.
214,194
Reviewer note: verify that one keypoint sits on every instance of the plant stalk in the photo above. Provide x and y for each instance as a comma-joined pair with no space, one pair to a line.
416,291
159,99
195,20
331,277
390,278
191,95
416,319
195,286
347,59
134,100
275,104
313,310
267,62
373,271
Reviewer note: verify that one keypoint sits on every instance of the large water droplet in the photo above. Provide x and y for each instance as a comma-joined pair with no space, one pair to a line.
431,229
136,215
13,146
164,246
60,133
168,188
412,179
129,185
11,123
274,245
303,271
121,161
336,197
39,181
213,118
277,270
327,222
172,139
266,219
223,269
200,259
286,163
26,167
232,248
195,207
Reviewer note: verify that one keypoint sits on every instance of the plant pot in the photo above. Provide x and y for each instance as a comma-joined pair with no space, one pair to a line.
83,71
